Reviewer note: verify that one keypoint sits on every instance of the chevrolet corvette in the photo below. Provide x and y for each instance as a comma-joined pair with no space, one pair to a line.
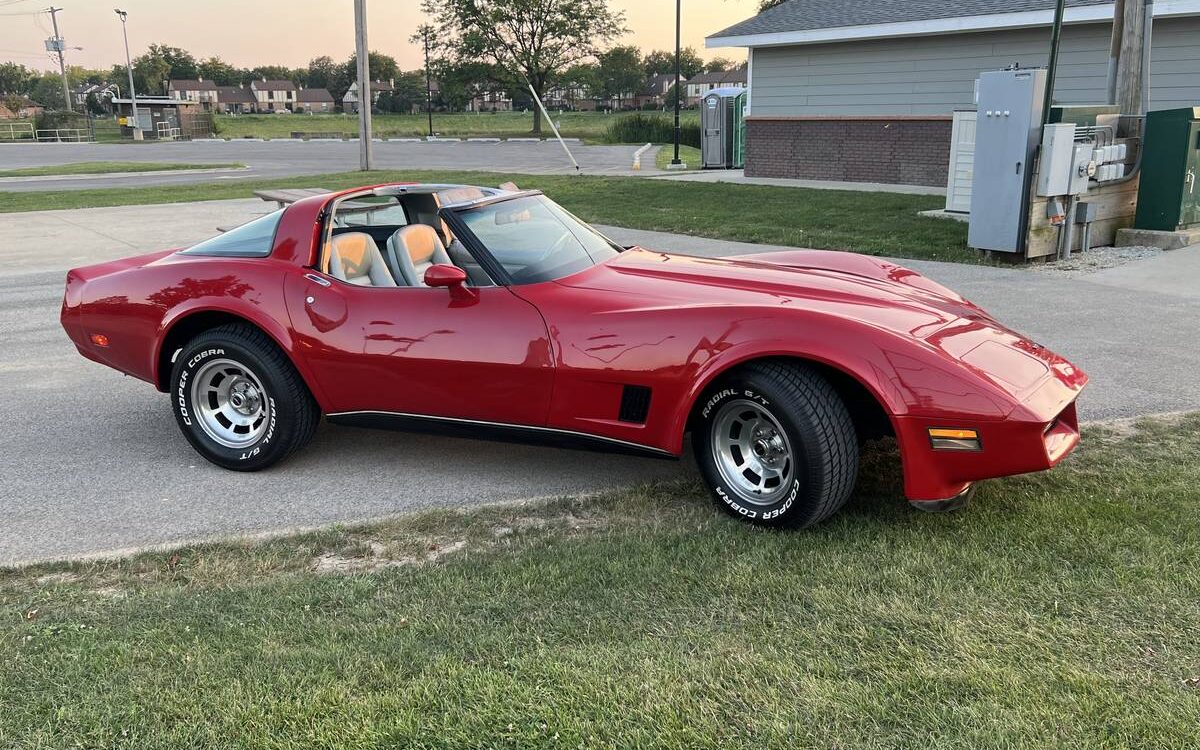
495,312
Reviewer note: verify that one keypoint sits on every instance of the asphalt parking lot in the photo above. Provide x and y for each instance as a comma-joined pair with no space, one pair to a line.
93,463
267,159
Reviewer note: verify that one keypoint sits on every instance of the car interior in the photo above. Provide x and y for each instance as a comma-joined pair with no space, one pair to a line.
391,240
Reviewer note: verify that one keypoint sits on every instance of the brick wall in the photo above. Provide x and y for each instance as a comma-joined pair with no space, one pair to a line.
898,149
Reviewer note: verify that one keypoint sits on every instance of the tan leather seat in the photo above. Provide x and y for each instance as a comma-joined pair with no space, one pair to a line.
355,258
413,249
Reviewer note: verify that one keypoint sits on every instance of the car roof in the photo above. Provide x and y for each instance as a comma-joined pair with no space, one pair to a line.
448,194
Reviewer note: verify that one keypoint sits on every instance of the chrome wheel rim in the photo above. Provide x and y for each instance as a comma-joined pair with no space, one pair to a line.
752,452
231,403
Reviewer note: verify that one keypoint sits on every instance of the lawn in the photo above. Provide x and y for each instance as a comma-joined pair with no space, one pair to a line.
587,125
107,167
864,222
689,155
1059,610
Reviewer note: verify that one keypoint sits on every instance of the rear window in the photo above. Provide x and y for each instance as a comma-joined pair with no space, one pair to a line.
254,239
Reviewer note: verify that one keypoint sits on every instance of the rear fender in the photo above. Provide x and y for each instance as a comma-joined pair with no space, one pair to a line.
251,314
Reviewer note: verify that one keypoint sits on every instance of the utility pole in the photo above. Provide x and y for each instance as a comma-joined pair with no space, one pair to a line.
428,80
58,45
675,162
137,128
1135,28
364,85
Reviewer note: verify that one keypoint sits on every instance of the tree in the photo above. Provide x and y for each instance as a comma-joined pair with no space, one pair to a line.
527,41
159,64
768,4
321,72
219,72
16,79
721,65
47,91
662,61
621,73
272,73
409,90
580,81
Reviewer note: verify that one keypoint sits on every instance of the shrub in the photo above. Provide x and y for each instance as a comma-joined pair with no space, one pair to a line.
645,128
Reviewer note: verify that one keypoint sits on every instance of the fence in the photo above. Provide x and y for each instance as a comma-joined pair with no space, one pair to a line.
64,135
166,132
16,131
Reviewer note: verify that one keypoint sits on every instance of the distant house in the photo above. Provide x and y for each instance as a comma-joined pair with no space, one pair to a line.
234,100
350,99
273,96
197,90
490,100
313,100
26,108
698,86
104,92
656,90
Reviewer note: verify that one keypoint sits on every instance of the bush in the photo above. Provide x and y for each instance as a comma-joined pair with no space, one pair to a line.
643,128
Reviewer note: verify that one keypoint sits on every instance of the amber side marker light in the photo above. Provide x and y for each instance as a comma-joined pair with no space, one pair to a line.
954,439
99,339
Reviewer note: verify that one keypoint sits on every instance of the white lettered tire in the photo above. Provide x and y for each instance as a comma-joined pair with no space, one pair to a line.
239,401
776,445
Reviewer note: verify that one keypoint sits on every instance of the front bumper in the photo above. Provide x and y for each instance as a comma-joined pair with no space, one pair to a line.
1010,446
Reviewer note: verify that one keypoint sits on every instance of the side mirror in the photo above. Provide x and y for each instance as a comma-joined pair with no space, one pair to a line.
445,275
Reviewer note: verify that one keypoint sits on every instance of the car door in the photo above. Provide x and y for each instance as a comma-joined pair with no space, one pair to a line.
464,353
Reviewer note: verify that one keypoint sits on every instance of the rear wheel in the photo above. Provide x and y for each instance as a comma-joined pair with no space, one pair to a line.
776,445
238,399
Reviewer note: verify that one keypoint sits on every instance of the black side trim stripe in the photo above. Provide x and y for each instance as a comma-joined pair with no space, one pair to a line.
358,416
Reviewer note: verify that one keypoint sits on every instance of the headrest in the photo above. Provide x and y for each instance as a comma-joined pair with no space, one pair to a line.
420,241
353,249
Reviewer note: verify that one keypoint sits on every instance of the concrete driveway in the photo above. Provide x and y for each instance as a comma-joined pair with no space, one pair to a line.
267,159
93,463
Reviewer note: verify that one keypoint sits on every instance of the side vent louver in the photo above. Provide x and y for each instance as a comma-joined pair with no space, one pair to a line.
635,404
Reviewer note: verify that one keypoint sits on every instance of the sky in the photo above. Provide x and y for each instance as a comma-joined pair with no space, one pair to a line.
247,33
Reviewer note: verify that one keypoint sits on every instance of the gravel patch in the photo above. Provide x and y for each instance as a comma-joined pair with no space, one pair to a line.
1098,259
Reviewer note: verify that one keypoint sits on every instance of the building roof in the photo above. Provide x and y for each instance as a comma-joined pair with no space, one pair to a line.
272,86
234,95
660,83
720,76
314,96
815,21
188,84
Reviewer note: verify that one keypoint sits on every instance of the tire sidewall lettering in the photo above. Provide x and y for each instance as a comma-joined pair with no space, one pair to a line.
181,396
726,497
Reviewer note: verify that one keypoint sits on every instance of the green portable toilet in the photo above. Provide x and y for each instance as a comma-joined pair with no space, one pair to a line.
1168,196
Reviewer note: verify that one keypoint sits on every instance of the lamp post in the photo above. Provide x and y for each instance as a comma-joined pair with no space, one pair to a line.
675,162
137,128
428,80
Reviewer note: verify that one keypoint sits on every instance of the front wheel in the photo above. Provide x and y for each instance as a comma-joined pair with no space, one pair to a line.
238,399
776,445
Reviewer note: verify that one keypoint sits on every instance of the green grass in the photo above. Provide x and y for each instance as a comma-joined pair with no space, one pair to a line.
689,155
1059,610
864,222
587,125
106,167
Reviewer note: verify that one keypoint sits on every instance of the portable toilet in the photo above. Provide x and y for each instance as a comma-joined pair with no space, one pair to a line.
722,119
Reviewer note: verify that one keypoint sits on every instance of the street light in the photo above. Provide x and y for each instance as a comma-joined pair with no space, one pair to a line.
137,129
675,162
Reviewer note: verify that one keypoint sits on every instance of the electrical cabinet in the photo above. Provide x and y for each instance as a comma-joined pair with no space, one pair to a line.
1168,196
1007,131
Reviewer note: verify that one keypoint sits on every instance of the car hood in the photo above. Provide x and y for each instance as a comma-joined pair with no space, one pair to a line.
869,291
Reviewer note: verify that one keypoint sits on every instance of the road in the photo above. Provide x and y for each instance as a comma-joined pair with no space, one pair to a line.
93,463
267,159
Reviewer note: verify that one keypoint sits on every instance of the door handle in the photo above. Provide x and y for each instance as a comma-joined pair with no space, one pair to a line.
317,279
1191,178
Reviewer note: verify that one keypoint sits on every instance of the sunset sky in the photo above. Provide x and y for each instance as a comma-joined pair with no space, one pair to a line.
291,32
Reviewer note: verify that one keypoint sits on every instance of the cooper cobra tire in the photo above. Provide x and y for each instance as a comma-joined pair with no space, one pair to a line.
776,445
238,399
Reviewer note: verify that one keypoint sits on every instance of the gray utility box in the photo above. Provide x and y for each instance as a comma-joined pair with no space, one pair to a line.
1007,131
719,121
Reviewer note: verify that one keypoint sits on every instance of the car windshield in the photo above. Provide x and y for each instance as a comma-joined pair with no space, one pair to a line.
535,239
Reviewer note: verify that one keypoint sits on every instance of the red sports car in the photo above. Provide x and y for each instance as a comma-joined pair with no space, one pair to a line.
491,311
